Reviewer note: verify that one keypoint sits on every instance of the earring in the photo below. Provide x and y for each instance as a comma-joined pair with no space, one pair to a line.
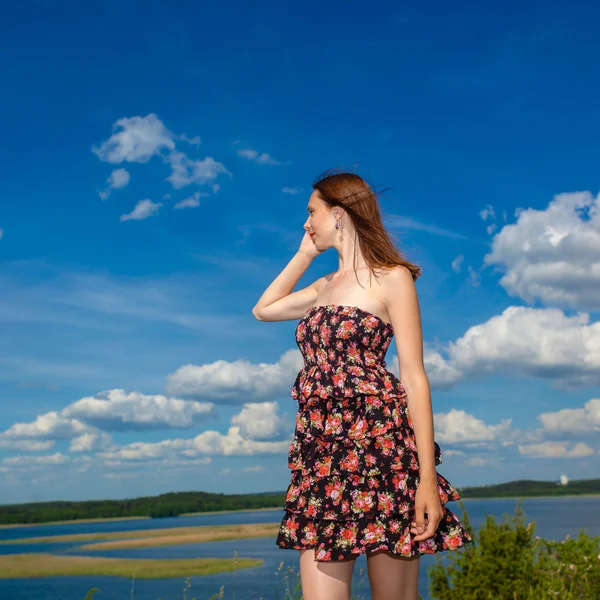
337,224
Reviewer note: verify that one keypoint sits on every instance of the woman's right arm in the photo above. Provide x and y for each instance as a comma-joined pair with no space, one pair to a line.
277,302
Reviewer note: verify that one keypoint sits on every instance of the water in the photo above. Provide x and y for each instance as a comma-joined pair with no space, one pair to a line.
555,518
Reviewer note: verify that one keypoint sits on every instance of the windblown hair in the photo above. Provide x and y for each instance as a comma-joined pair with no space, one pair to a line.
352,193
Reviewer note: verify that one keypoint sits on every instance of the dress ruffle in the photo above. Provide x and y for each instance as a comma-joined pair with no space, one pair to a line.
354,460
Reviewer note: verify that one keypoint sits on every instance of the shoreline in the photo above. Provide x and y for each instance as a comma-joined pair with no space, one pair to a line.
264,509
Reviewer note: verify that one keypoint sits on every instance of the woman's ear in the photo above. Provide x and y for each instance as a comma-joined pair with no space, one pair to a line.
338,213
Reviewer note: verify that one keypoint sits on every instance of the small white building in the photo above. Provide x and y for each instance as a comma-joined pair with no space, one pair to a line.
564,480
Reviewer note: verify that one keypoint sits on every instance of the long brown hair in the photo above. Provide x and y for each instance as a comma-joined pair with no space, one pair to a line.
352,193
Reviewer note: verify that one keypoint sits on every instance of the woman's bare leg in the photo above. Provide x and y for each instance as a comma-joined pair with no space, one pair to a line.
393,577
325,580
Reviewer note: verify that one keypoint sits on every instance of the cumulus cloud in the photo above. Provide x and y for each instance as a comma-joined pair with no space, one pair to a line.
138,139
556,450
90,442
236,382
527,342
118,410
553,255
459,427
533,342
260,421
573,421
86,423
26,445
441,373
143,209
118,179
51,426
207,443
186,170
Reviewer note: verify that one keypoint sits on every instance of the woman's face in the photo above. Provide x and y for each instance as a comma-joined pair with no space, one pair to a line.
320,223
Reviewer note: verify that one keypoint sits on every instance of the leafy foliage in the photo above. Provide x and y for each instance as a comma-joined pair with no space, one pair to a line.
507,561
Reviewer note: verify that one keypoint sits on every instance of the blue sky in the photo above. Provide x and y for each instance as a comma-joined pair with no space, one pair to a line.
156,169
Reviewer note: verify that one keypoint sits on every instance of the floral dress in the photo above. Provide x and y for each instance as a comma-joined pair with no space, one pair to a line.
353,458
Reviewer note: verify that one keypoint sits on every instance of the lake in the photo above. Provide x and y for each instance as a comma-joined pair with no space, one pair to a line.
554,517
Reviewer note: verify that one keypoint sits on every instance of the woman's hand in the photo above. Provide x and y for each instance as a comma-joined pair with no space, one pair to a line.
307,247
427,500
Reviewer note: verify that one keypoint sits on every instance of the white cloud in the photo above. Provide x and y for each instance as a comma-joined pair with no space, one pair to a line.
118,179
474,276
553,255
120,410
236,382
26,445
404,223
491,228
573,421
533,342
89,442
457,262
291,190
254,469
136,139
207,443
261,158
192,202
192,141
40,461
487,213
459,427
527,342
86,421
52,426
186,170
143,209
260,421
556,450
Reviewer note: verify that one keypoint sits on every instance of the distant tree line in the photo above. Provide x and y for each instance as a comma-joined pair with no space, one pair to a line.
178,503
529,487
165,505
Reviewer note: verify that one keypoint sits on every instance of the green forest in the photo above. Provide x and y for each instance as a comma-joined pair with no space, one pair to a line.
179,503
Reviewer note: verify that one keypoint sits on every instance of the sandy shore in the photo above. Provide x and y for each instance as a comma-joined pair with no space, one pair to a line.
171,536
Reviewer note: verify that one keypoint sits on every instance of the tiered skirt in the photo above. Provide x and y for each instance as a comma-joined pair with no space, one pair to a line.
355,469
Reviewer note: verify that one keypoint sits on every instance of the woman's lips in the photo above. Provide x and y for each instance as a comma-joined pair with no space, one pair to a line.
312,235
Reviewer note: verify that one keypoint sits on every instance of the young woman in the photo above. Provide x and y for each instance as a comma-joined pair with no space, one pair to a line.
363,457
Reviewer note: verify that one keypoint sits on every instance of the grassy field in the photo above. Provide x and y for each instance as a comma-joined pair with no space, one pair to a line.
172,536
15,566
19,525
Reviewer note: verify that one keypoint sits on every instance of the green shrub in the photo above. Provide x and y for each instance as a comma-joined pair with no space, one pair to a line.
507,561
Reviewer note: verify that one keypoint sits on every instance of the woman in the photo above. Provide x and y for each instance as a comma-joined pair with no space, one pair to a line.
363,457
